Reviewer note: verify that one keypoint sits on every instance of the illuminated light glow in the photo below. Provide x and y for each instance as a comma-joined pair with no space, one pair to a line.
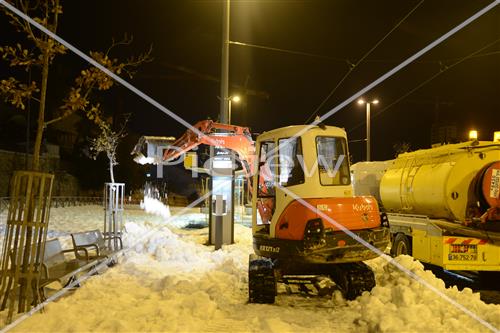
362,101
473,135
144,160
236,99
155,206
496,136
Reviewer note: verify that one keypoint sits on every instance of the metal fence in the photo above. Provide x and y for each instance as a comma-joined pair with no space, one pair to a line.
60,201
75,201
4,203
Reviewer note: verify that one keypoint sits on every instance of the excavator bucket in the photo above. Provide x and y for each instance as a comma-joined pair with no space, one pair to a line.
149,149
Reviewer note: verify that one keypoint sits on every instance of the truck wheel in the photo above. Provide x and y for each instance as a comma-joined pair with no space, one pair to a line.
401,245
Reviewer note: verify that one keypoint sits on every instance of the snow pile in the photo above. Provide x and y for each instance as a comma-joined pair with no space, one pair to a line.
169,281
399,303
66,220
155,206
163,283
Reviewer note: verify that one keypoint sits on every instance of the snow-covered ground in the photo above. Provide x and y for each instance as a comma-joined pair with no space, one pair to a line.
170,281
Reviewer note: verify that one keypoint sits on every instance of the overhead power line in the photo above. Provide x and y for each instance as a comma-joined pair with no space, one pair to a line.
354,66
443,69
320,56
438,62
347,61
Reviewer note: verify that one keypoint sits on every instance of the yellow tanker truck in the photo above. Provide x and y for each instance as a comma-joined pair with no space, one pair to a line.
442,204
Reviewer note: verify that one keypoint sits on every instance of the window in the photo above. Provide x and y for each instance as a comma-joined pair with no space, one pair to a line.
266,169
266,184
290,170
333,162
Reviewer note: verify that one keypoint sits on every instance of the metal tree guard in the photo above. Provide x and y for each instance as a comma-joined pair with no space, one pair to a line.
113,213
24,242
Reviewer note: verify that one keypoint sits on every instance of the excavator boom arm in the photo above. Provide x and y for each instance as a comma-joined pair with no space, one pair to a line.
233,137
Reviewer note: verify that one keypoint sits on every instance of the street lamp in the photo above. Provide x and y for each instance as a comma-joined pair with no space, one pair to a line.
235,99
361,102
473,135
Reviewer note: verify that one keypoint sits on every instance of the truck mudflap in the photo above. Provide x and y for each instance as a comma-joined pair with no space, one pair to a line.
327,248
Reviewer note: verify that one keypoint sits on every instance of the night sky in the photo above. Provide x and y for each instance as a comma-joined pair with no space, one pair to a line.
186,39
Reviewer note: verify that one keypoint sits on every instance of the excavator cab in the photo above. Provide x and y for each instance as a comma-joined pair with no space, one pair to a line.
314,167
292,239
288,162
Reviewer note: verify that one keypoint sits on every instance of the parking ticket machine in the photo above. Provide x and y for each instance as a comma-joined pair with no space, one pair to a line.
221,204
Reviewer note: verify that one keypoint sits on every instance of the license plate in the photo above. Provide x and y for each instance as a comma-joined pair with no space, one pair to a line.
462,257
462,252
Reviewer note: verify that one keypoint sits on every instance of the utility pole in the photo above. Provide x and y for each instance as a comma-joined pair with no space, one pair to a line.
368,150
224,106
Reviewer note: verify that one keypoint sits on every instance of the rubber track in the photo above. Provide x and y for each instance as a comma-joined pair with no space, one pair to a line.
261,281
353,279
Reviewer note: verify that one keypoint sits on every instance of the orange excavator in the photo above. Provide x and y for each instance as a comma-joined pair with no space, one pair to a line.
295,244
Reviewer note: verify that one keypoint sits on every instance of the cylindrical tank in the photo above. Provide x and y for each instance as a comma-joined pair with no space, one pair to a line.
455,182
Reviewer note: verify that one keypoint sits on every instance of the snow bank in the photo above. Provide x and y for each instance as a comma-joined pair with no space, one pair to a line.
169,281
399,303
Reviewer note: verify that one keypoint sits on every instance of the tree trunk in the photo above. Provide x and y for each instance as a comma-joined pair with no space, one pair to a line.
43,89
41,111
111,171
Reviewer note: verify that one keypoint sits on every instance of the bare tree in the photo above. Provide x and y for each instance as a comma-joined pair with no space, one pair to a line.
106,142
41,56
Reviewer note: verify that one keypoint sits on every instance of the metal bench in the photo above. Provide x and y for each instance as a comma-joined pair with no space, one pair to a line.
94,245
57,267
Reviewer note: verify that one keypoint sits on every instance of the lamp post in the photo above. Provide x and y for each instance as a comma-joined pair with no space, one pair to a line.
224,107
235,99
361,102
